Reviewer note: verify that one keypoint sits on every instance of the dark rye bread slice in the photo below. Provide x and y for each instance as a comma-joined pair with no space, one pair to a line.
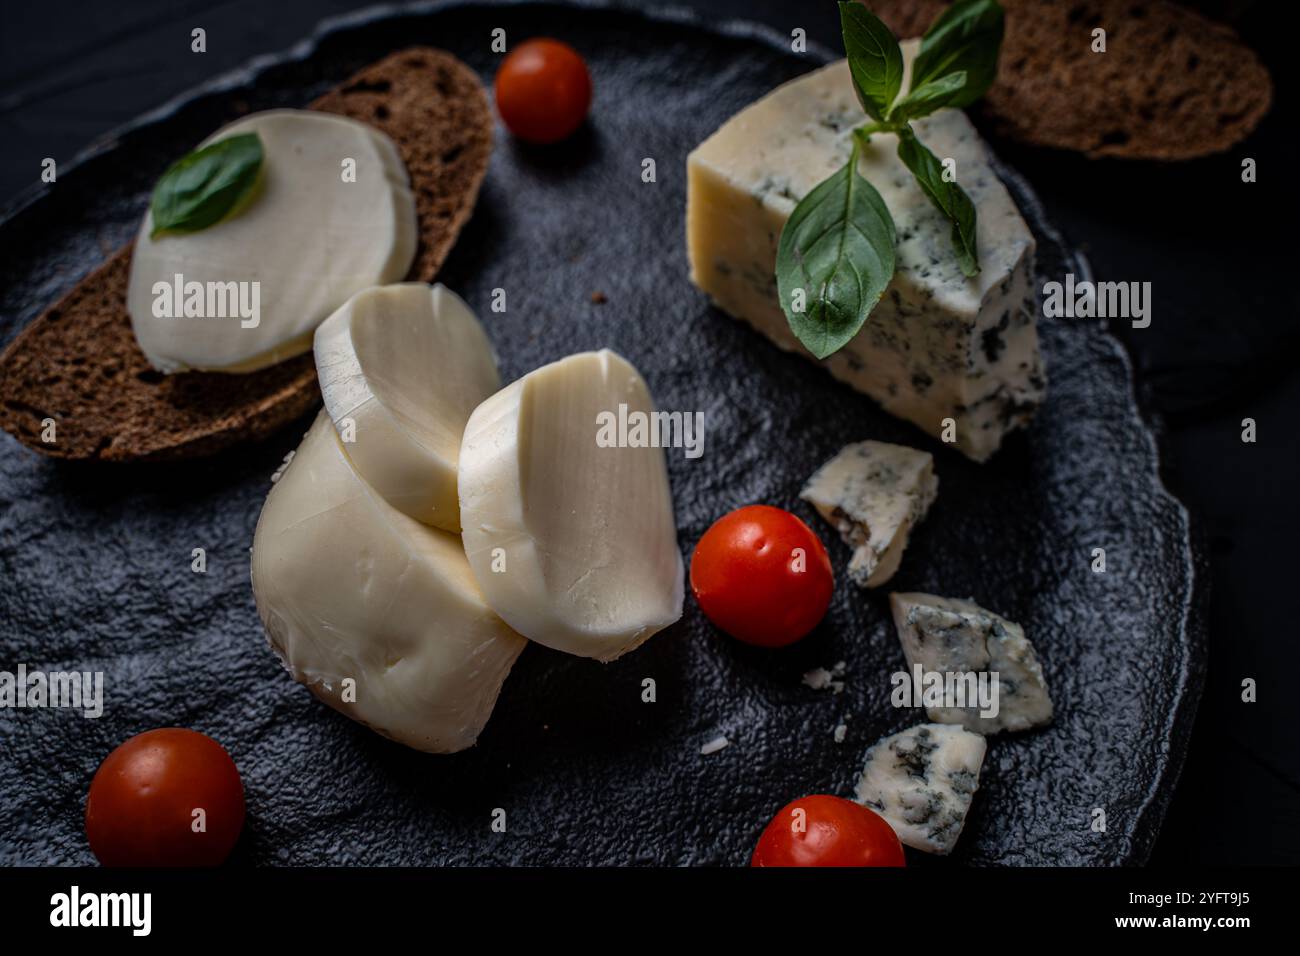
1172,84
78,362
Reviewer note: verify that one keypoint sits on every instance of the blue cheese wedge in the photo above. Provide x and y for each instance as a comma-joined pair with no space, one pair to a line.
948,636
873,493
921,781
938,346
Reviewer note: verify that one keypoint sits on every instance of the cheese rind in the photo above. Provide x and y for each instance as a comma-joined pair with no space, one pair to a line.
574,544
401,369
873,493
938,345
307,236
921,781
350,589
946,635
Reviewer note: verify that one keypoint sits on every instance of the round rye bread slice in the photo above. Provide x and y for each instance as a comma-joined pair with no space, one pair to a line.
1171,85
78,362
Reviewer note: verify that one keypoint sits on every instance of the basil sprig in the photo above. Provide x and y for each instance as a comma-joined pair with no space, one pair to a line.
875,59
950,198
927,97
965,38
831,249
835,259
202,188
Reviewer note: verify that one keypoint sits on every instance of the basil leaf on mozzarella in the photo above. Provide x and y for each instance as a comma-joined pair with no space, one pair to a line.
947,196
202,188
302,242
964,38
875,59
835,259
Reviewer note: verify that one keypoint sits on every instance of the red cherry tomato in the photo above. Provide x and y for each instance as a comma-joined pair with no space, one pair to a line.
142,803
822,830
543,90
762,576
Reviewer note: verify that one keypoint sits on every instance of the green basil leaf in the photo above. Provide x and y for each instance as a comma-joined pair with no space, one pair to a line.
875,59
950,198
835,258
928,97
200,189
966,37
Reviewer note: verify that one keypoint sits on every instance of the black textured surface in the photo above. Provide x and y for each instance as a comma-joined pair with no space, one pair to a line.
96,561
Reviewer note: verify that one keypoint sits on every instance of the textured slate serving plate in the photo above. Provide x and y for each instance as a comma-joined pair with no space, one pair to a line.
95,561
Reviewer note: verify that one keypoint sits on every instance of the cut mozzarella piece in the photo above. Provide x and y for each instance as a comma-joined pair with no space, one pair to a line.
873,493
938,345
378,614
308,238
921,781
574,544
401,368
947,636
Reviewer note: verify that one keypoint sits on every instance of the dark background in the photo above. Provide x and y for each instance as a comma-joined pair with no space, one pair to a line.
1221,347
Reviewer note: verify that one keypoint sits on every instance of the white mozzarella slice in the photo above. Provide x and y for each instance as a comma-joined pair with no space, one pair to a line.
874,493
574,544
948,636
307,237
379,615
401,368
921,781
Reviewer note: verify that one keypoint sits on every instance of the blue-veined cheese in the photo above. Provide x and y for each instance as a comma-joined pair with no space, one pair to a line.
873,493
921,781
938,345
946,635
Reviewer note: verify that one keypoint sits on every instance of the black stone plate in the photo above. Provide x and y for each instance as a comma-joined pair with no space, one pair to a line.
95,561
